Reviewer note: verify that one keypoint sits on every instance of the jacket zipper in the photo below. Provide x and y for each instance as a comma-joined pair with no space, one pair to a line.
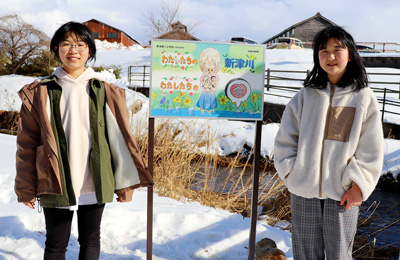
327,123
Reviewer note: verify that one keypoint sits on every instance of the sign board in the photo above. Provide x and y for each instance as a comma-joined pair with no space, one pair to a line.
207,80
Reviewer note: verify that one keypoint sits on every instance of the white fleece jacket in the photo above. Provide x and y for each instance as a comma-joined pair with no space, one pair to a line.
328,140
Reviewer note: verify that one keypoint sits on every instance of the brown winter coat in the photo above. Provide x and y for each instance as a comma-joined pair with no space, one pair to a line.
37,161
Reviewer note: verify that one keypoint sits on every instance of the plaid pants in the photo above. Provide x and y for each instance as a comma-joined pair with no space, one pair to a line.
322,225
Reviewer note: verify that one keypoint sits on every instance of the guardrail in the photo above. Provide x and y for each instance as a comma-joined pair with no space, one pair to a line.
292,81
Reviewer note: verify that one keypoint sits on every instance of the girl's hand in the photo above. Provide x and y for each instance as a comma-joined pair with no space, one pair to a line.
30,204
352,197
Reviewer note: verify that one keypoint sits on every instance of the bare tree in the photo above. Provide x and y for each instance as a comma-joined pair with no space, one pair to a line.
19,41
158,20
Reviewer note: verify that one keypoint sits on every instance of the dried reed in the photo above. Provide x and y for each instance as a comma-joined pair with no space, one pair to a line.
187,165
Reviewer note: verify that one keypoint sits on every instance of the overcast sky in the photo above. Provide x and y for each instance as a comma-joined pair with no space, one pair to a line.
366,20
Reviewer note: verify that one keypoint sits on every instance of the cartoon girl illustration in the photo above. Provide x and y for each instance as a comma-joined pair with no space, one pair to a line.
210,62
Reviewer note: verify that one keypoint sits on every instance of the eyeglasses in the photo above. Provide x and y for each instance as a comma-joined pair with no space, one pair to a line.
80,47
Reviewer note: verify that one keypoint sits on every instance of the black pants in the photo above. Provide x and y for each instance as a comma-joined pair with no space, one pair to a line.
58,228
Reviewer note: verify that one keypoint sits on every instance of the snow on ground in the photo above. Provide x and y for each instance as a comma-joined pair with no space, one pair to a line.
182,230
9,85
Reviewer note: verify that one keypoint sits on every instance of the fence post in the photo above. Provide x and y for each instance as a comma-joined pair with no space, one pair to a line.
268,75
383,103
144,74
129,75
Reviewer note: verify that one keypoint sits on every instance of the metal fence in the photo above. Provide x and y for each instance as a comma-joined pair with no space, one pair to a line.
387,91
139,76
388,102
285,83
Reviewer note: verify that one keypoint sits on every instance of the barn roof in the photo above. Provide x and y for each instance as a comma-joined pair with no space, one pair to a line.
318,15
127,35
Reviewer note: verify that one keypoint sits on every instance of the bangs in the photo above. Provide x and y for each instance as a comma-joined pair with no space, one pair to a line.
323,37
324,44
76,36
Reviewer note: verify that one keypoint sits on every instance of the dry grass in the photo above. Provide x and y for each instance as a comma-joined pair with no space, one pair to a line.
8,122
8,117
365,243
188,167
277,208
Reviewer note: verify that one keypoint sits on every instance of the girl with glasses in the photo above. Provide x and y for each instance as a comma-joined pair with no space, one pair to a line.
75,149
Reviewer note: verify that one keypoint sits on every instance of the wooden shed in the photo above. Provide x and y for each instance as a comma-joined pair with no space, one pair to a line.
304,30
178,32
102,31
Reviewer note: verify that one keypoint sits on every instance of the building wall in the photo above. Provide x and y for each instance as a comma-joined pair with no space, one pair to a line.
126,41
379,61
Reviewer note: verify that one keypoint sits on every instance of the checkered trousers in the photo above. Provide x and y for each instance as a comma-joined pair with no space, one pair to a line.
322,226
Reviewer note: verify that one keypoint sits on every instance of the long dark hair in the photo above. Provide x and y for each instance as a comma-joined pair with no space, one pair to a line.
80,31
355,73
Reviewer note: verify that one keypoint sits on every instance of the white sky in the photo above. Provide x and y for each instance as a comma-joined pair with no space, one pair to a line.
366,20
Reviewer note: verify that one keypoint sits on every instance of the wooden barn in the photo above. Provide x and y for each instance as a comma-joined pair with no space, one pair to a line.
178,32
102,31
304,30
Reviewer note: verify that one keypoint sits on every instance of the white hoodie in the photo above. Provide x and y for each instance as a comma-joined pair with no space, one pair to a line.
328,139
74,108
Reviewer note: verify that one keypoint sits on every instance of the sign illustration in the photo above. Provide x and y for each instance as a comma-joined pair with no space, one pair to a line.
206,80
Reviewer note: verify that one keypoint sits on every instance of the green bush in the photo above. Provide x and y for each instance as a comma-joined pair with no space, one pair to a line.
115,69
40,65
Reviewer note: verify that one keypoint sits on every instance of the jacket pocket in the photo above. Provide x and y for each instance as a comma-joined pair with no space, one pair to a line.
285,180
340,124
42,163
